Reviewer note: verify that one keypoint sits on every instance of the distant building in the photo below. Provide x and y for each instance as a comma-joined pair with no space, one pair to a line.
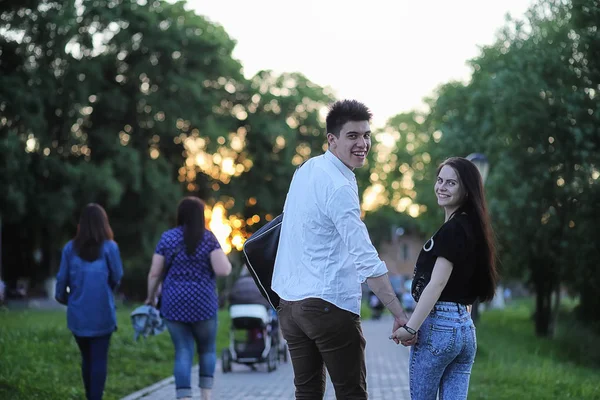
400,253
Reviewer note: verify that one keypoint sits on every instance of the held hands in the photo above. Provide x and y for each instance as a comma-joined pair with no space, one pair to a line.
401,335
398,322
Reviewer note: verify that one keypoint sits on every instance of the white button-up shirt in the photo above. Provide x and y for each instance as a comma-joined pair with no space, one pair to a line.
324,248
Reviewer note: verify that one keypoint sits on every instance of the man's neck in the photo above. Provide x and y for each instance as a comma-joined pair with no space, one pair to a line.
336,156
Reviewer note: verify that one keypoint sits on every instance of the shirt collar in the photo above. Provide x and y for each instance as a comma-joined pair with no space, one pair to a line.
347,172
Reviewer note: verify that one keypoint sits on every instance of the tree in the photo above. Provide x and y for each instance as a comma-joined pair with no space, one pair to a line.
528,108
132,105
97,100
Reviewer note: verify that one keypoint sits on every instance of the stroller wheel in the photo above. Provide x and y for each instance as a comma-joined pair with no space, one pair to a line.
226,361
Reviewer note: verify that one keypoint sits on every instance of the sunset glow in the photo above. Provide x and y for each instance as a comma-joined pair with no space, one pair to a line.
226,228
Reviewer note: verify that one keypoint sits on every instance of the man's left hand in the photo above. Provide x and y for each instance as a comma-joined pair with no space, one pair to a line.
398,322
410,342
403,336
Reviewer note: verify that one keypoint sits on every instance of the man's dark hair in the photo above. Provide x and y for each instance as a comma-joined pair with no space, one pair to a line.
343,111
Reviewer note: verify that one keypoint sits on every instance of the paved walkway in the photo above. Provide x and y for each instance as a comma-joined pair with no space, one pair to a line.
387,375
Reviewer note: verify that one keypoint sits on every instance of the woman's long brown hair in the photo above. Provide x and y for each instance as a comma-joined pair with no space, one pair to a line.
92,231
486,274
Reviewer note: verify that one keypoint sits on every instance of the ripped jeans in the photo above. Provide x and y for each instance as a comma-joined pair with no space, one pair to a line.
443,356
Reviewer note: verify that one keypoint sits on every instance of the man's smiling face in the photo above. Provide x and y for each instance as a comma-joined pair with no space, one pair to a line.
353,145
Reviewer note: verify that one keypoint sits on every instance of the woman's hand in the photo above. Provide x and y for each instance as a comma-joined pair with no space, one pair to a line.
150,302
403,336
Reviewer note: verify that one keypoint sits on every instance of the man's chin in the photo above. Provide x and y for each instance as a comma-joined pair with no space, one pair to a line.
358,163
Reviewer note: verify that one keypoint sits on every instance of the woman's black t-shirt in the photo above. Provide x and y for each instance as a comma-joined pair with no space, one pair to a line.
456,242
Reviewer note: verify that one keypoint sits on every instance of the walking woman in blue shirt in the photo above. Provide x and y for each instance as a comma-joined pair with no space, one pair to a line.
90,269
189,301
455,267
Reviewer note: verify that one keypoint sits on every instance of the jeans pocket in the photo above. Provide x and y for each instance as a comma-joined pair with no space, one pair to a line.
316,309
474,336
317,306
441,339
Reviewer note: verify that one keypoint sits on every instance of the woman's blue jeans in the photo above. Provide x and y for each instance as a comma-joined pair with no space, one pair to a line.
443,356
184,335
94,364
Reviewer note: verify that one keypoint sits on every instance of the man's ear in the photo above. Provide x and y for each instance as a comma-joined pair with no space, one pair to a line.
331,138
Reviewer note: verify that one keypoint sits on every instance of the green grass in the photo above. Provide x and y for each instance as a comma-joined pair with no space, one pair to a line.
365,311
512,363
40,359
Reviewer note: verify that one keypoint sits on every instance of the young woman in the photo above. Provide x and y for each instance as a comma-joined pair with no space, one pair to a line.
189,300
91,269
455,267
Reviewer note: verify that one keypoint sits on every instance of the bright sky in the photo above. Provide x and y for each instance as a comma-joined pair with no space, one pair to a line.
390,54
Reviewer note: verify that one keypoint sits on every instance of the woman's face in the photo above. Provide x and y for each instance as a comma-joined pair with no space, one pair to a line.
448,190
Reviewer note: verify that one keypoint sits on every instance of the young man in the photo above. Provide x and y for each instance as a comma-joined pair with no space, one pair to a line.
324,255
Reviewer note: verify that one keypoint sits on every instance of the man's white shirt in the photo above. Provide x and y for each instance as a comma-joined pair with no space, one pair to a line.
324,248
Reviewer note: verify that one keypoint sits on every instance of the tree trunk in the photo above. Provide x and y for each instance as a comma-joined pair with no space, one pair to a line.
555,309
16,255
543,307
589,305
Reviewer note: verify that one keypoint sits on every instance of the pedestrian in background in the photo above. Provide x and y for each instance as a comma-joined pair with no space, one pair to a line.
90,270
189,301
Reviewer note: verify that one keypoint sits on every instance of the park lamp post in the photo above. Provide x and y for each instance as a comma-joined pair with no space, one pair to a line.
482,164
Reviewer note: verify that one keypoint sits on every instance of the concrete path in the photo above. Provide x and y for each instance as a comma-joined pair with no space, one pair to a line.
387,375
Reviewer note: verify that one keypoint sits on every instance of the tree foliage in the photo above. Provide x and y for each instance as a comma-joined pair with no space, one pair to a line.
133,104
112,101
532,107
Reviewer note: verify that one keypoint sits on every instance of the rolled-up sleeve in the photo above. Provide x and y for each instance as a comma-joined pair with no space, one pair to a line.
115,265
344,210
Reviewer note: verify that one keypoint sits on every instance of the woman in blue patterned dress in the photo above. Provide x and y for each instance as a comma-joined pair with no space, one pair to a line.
189,301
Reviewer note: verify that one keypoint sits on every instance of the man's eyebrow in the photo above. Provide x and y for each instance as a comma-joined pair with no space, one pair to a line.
357,133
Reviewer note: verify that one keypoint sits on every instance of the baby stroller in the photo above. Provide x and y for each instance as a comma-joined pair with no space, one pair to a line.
254,336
